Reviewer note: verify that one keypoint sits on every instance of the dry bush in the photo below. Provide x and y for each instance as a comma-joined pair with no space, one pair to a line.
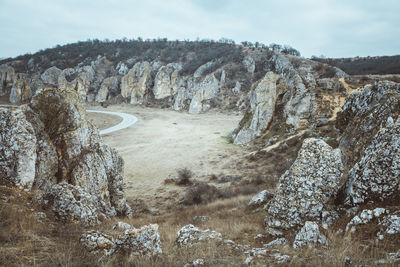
184,176
200,193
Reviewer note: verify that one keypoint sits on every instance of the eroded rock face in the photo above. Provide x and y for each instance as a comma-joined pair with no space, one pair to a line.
50,76
135,84
144,241
52,142
109,85
7,76
262,107
362,116
21,88
249,64
309,235
190,235
207,89
376,176
164,82
260,199
17,148
305,188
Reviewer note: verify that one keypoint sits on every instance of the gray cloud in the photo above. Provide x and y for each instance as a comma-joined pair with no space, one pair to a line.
332,27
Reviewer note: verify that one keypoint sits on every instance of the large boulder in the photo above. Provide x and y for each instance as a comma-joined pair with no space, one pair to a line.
135,84
376,176
53,142
50,76
7,76
362,116
165,80
17,148
21,88
262,106
207,89
108,86
305,189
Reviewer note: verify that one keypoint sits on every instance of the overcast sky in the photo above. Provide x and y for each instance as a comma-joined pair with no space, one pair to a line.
334,28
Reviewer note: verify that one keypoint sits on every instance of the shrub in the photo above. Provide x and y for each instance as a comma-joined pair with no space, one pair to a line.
200,193
184,176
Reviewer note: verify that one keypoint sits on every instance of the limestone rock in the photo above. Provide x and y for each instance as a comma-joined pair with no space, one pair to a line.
250,64
365,217
236,89
144,241
108,85
376,175
164,83
17,148
72,203
207,89
51,141
262,107
362,116
309,235
391,224
7,76
189,235
205,67
50,76
121,226
95,241
305,188
21,89
277,242
135,84
122,68
260,199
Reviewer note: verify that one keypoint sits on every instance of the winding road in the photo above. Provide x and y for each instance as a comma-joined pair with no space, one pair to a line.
127,120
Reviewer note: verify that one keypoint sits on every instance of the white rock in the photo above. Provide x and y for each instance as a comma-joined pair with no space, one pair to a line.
190,235
309,235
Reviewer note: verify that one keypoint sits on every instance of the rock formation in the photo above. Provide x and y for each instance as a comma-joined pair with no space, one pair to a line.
51,147
304,190
135,84
262,106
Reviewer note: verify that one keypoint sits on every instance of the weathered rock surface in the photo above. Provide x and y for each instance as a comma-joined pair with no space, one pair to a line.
190,235
7,76
109,85
376,176
21,88
50,76
17,148
262,107
49,142
250,64
305,189
202,91
365,217
362,116
135,84
309,235
260,199
165,80
144,241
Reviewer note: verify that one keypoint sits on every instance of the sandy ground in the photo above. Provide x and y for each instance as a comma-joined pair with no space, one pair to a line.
163,141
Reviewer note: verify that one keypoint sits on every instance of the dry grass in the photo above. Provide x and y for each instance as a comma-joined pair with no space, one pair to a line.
24,241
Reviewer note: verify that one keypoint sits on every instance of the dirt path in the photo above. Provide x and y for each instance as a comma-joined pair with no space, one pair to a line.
163,141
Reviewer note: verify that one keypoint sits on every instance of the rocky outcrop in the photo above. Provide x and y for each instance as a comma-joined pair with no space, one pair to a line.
108,86
305,189
362,116
262,106
309,235
250,64
190,235
52,142
135,84
77,79
7,76
21,88
202,91
376,176
260,199
50,76
144,241
17,148
165,82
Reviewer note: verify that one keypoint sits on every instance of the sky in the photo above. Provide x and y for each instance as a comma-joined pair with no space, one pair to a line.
333,28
